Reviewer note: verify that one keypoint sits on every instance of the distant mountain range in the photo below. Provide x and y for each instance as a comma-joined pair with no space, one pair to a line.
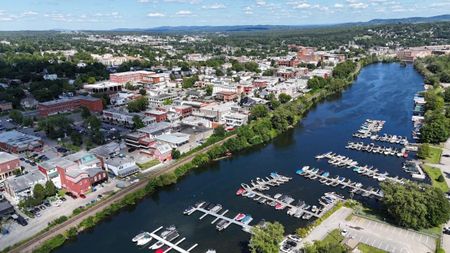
242,28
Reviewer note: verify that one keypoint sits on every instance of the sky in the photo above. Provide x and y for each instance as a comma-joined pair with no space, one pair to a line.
111,14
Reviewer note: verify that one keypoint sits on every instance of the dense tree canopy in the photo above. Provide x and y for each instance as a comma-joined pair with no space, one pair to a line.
266,239
415,206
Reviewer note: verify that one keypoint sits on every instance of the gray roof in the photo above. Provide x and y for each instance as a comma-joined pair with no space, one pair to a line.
107,149
18,139
5,207
26,181
175,138
117,161
6,157
155,128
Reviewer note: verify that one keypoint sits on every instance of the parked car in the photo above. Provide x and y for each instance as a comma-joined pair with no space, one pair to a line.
82,196
73,196
63,199
21,220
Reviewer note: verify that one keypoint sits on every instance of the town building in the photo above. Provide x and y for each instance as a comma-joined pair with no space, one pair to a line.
175,140
8,164
5,106
235,119
103,87
17,142
121,166
69,104
21,187
140,76
183,110
226,96
159,115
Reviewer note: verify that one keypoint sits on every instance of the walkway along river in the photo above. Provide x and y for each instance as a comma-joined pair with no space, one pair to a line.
382,91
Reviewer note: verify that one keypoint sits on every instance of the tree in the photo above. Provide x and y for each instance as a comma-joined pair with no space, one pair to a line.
143,92
167,101
39,193
266,239
259,111
424,151
16,116
76,138
219,131
91,80
175,153
50,188
435,131
137,122
209,90
284,98
85,112
447,95
138,105
415,206
93,123
27,121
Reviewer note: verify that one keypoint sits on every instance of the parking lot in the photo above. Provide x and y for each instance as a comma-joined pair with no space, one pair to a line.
18,232
387,237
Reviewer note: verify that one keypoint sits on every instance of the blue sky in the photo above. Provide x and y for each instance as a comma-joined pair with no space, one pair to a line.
109,14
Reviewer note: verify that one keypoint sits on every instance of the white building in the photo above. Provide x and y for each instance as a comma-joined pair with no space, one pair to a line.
235,119
121,166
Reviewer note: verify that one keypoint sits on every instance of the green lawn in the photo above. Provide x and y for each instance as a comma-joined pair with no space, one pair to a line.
432,231
434,174
334,237
435,155
149,164
364,248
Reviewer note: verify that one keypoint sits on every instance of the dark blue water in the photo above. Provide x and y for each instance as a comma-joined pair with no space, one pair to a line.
382,91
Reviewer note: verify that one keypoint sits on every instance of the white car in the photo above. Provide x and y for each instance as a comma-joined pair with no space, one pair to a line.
344,232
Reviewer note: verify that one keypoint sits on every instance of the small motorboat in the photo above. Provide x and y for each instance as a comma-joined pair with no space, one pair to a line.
188,210
221,225
240,191
138,236
239,216
145,239
248,218
280,206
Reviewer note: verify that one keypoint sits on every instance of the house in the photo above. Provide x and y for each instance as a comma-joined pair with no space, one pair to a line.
8,164
21,187
17,142
121,166
29,102
5,106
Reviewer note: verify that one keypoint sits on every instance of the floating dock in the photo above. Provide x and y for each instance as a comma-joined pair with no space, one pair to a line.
376,149
393,139
323,178
343,161
172,246
221,216
298,211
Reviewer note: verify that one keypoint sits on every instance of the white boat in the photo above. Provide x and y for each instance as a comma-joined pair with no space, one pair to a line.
138,236
144,239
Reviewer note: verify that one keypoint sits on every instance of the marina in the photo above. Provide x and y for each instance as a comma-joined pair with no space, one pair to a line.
164,240
224,221
369,171
323,129
280,201
376,149
393,139
324,178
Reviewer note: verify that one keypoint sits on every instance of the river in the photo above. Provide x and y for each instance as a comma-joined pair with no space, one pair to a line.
381,91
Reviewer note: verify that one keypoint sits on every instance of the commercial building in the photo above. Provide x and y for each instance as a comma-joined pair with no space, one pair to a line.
5,106
121,166
17,142
183,110
156,129
157,114
69,104
8,164
235,119
141,76
21,187
103,87
174,140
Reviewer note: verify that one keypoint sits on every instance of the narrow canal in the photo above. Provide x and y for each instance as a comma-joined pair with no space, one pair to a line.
382,91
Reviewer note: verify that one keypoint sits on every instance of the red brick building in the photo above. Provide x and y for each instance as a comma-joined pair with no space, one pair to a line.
306,54
260,83
293,62
69,104
183,110
80,181
159,115
8,164
226,96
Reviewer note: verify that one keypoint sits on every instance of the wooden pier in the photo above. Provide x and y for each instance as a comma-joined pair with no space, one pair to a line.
355,187
172,246
221,216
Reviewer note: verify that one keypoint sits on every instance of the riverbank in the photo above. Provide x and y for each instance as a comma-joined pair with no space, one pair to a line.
263,130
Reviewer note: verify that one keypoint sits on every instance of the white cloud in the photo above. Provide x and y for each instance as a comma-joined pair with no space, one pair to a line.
29,13
214,6
183,13
338,5
261,3
302,6
358,5
155,14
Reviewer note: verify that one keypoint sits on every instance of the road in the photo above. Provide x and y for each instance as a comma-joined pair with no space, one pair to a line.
76,220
